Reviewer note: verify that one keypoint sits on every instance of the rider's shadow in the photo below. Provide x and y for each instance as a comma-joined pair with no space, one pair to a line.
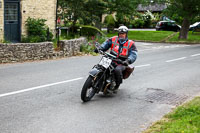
119,94
106,96
109,97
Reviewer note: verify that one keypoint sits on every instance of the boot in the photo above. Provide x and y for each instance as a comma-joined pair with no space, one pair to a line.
116,89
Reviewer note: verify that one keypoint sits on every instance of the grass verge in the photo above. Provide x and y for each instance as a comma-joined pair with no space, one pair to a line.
184,119
153,36
160,36
192,38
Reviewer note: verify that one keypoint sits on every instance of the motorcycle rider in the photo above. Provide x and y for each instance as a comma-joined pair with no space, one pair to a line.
124,49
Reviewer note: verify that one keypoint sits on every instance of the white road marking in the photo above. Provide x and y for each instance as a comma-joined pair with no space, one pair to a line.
147,44
146,65
38,87
176,59
161,47
195,55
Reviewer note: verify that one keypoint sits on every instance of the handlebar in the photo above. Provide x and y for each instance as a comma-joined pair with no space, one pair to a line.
104,53
113,57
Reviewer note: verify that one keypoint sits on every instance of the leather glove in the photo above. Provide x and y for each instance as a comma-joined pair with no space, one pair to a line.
96,50
119,61
125,63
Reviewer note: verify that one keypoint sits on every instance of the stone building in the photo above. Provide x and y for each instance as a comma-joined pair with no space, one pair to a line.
14,13
154,8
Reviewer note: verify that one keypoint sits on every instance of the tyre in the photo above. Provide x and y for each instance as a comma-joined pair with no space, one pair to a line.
87,91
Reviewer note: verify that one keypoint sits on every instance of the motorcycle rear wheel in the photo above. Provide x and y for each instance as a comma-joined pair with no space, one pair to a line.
87,91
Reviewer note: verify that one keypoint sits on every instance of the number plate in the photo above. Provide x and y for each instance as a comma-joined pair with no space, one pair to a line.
105,62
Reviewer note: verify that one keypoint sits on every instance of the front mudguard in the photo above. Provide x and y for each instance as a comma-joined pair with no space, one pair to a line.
94,72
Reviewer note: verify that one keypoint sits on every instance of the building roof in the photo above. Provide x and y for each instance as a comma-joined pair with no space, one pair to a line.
152,7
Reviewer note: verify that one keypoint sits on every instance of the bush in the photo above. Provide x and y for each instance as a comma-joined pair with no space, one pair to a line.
121,20
138,23
31,39
147,21
89,48
37,30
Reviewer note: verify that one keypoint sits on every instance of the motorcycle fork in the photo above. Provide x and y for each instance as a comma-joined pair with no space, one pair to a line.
108,75
95,86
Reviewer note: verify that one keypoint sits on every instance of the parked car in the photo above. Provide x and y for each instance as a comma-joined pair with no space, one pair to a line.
168,26
194,26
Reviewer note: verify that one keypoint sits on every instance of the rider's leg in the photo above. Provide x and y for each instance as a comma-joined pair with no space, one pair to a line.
118,75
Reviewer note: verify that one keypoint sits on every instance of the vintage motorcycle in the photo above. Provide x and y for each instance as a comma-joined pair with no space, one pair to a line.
101,77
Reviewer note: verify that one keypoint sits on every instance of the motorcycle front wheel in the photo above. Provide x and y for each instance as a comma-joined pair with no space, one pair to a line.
87,91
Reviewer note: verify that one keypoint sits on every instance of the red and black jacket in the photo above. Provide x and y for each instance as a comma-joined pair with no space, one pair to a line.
124,51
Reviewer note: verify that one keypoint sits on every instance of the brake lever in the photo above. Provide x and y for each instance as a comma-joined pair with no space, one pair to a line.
101,52
97,44
98,48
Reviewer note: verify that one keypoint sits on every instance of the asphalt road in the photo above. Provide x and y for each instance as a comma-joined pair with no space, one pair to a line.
44,96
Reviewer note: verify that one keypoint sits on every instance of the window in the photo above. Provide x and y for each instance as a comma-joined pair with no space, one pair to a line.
11,12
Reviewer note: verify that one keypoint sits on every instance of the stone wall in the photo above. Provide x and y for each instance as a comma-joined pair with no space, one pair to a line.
1,20
43,9
20,52
71,47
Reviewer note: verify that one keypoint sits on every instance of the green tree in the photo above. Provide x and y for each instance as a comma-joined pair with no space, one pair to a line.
71,10
86,11
89,12
124,9
188,10
110,22
94,9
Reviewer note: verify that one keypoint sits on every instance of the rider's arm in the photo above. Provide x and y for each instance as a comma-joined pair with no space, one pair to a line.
106,45
132,56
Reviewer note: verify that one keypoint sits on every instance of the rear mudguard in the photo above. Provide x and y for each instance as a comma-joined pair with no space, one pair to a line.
94,72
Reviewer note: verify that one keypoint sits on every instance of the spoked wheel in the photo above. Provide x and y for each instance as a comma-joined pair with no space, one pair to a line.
87,91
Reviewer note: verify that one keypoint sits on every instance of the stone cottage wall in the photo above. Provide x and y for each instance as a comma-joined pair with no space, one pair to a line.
43,9
1,20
